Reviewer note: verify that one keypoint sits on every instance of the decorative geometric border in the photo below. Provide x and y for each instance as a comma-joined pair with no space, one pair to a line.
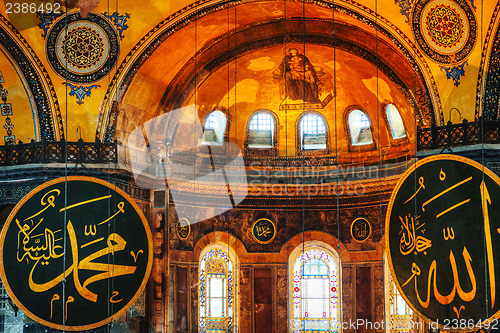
489,72
149,42
6,111
432,52
37,79
60,68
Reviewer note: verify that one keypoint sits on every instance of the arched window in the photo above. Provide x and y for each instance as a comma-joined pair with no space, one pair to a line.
261,130
216,293
395,122
400,315
315,291
312,132
359,127
214,128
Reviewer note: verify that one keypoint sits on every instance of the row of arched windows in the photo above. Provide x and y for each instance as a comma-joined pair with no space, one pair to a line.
312,128
314,277
314,287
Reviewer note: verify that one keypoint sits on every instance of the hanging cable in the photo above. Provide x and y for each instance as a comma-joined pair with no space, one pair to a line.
337,201
412,165
65,167
300,143
194,261
231,211
287,165
483,162
380,220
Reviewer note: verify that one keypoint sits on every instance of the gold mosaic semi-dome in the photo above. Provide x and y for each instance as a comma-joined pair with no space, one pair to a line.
344,103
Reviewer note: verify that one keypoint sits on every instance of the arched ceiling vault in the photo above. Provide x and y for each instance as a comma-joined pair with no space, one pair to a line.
347,37
165,56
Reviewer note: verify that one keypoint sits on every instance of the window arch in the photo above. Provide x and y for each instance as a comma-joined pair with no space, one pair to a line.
360,128
261,130
400,317
214,128
216,291
314,283
395,121
313,130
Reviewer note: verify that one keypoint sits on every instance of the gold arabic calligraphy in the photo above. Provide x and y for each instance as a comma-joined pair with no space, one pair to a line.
412,241
263,230
42,247
408,242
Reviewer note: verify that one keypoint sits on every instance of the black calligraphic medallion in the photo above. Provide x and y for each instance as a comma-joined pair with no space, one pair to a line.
442,237
75,252
183,228
360,229
263,231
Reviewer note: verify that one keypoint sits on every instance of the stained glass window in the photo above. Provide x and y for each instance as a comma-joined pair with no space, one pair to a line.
216,293
315,293
401,314
313,132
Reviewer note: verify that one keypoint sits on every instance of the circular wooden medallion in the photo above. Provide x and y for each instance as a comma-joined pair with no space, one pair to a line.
361,229
75,252
263,231
442,237
183,228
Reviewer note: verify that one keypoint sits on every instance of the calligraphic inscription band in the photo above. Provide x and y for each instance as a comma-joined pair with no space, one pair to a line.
442,236
76,253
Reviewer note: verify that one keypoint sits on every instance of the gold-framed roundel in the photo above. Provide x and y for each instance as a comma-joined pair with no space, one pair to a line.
76,252
361,229
183,228
263,231
437,211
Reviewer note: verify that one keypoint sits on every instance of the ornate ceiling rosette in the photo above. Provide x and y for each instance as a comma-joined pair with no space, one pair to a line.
87,51
445,30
